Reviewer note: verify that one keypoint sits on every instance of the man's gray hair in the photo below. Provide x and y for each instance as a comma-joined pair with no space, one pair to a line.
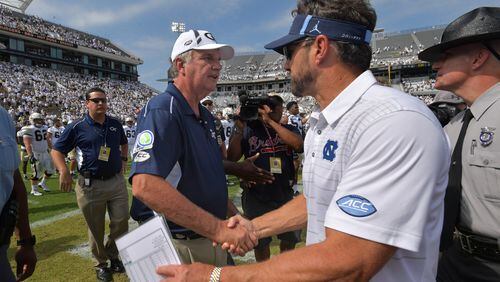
185,57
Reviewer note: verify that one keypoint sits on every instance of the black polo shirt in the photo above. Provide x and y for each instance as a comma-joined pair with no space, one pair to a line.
88,136
256,139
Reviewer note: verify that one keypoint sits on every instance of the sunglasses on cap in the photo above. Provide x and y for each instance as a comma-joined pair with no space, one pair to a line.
97,100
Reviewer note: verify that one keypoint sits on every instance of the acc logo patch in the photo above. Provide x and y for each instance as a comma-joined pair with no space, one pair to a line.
355,205
141,156
329,150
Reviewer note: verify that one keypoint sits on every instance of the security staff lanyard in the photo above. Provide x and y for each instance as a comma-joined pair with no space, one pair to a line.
104,150
274,162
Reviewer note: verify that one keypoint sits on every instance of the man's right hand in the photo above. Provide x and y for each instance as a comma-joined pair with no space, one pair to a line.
65,181
239,221
237,239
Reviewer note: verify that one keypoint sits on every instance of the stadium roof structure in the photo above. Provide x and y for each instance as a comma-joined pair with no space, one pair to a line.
17,5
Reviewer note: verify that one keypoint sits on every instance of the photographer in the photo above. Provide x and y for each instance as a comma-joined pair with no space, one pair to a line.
274,143
446,105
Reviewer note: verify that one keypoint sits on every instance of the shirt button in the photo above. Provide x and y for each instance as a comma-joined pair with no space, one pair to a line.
319,131
486,162
312,155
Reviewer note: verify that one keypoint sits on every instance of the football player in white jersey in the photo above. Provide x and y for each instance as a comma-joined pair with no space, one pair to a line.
35,140
24,155
227,124
295,119
130,129
54,132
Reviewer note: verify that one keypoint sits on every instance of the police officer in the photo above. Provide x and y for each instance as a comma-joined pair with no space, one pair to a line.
13,199
467,62
102,148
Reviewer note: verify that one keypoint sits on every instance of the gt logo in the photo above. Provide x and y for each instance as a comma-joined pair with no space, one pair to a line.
356,206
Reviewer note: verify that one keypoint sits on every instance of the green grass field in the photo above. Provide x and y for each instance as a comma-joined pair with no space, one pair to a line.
62,250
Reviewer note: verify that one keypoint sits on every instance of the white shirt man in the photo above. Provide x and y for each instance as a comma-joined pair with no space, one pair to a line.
55,132
37,147
130,130
227,125
351,179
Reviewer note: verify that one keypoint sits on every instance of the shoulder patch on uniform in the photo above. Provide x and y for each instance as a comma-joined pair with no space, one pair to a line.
141,156
144,141
355,205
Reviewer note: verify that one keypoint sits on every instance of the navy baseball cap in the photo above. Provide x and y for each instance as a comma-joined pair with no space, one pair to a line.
312,26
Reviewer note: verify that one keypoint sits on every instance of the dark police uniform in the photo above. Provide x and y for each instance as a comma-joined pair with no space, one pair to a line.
263,198
175,144
100,184
475,254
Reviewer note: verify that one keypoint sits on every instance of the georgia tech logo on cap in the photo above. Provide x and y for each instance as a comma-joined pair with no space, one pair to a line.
209,36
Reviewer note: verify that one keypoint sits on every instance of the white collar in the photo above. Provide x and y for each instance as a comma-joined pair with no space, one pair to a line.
346,99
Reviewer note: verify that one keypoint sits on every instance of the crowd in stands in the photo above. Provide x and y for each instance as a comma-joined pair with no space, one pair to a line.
418,85
37,25
273,67
27,89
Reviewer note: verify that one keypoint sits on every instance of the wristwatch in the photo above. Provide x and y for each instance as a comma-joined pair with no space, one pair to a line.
124,158
27,242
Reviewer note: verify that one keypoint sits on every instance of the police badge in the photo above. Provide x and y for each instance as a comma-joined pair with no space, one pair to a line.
486,136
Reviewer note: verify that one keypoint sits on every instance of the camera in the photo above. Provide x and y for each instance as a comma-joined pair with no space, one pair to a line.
444,112
250,103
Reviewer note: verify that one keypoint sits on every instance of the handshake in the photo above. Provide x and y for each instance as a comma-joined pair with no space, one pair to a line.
236,235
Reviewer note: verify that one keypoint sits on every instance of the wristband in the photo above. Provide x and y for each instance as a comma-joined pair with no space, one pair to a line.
215,275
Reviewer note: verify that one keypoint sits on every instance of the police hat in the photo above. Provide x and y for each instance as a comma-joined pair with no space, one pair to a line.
479,25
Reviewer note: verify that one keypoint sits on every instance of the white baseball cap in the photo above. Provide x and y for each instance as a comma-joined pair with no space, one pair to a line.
199,40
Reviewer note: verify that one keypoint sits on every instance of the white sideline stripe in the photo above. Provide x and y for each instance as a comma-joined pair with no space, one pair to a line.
54,218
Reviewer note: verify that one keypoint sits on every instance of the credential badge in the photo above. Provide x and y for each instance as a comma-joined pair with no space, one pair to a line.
486,136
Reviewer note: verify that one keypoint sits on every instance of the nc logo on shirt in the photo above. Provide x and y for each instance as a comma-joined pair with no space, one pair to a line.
329,150
355,205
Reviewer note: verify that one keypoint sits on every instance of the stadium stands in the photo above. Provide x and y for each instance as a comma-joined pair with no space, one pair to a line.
29,89
33,25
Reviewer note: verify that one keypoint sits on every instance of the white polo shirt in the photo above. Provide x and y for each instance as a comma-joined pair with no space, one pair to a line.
376,167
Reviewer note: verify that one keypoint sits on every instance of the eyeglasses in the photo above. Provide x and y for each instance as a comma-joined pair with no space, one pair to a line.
97,100
289,49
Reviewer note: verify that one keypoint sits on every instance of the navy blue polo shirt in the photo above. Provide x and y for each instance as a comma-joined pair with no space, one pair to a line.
256,139
173,141
88,136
